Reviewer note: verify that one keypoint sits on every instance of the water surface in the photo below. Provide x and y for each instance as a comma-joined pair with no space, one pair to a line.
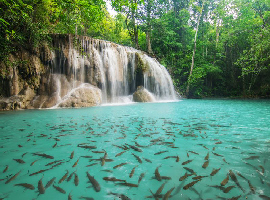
173,139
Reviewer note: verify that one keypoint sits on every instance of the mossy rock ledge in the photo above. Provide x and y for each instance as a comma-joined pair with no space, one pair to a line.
143,95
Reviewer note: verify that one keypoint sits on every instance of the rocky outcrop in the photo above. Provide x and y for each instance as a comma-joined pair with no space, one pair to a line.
143,95
84,96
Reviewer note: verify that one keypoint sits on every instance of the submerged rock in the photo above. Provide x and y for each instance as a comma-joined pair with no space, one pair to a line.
85,95
143,95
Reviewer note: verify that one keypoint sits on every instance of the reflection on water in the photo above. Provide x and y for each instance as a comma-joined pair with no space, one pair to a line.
192,149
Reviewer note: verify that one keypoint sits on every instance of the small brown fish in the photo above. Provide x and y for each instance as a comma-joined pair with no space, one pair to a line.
75,164
157,174
76,180
198,177
262,169
70,176
190,170
253,190
228,189
132,171
160,152
26,185
225,181
54,145
41,188
38,172
59,189
186,162
233,177
43,155
50,182
167,194
207,156
205,164
113,179
19,161
33,163
137,157
71,155
141,177
12,178
194,152
119,154
190,184
6,168
147,160
120,165
24,154
177,159
93,182
128,184
214,171
216,154
63,178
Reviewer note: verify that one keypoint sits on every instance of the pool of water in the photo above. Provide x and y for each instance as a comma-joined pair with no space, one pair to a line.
192,146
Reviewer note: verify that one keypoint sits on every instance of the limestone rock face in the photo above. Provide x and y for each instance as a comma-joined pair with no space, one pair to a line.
143,95
83,96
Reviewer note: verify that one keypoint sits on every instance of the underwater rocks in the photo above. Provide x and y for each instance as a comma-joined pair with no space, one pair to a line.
143,95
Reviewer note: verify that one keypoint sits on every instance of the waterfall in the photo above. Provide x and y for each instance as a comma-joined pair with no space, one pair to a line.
113,69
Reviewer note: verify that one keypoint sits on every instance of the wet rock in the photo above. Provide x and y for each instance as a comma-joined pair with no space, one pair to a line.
143,95
85,95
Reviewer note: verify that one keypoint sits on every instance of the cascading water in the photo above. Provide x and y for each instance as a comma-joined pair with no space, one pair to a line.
113,69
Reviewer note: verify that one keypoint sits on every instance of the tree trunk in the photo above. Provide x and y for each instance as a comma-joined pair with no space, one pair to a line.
194,51
148,31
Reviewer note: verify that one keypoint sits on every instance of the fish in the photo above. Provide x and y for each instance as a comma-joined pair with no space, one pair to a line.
19,161
26,185
13,177
168,193
86,146
70,176
43,155
119,154
205,164
76,180
54,145
63,178
147,160
184,176
86,198
71,155
50,182
59,189
159,190
194,152
132,171
198,177
225,181
190,170
120,196
120,165
69,196
264,197
91,164
6,168
160,152
75,164
233,177
225,160
252,158
228,189
87,156
253,190
128,184
190,184
207,156
177,159
94,182
141,177
51,163
235,198
262,169
24,154
238,173
41,188
137,157
214,171
216,154
134,148
186,162
38,172
157,174
113,179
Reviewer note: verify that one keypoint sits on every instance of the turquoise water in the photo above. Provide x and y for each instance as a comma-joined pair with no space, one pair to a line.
235,133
